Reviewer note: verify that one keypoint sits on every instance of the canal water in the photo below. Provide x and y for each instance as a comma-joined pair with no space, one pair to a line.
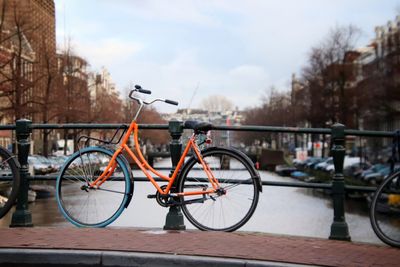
281,210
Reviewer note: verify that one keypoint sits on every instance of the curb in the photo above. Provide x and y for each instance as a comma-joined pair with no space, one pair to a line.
62,257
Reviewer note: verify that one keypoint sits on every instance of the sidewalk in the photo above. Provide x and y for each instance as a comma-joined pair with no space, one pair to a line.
237,245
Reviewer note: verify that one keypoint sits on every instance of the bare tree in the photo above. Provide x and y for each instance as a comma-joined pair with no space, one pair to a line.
274,111
73,89
17,61
382,83
50,100
216,103
108,107
327,74
152,116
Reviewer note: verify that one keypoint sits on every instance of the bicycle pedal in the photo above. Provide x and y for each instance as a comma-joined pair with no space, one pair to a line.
152,196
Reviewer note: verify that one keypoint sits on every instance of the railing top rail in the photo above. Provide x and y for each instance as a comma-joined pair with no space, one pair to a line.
257,128
7,127
248,128
95,126
369,133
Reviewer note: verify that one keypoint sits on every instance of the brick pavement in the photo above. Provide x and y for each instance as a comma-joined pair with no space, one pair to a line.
243,245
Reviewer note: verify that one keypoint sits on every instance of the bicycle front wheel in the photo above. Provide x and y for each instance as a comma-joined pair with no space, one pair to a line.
87,206
233,204
9,181
385,210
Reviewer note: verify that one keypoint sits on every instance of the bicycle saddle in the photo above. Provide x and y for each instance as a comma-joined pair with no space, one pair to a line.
198,126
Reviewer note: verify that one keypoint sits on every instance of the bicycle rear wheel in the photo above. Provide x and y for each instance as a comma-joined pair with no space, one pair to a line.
235,202
93,207
385,210
9,181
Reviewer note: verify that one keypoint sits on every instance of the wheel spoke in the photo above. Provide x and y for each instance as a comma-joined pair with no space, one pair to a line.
385,211
95,207
10,181
231,206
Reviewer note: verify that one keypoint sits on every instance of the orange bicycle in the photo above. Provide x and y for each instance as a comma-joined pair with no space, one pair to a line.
217,188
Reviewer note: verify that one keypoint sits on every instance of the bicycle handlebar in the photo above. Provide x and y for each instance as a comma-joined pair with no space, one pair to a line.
139,89
130,94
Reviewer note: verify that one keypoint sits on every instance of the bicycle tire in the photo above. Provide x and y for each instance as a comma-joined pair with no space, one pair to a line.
93,207
9,181
385,210
220,212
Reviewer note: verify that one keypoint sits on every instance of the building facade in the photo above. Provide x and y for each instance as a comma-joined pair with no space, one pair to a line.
27,44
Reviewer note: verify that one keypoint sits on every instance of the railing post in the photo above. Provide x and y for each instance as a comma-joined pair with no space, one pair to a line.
22,217
174,220
339,227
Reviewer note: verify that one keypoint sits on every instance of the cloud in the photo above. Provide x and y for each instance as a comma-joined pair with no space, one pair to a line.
193,12
108,52
229,47
179,78
249,72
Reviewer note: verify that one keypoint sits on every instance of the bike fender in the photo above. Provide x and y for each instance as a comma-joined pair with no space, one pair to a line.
16,161
123,158
12,157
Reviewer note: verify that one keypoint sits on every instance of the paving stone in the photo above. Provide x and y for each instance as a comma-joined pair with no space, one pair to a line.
236,245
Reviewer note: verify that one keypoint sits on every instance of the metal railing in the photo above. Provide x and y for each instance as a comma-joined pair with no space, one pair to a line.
339,229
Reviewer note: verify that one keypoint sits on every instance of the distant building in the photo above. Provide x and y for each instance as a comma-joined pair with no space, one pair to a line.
386,71
230,117
375,82
368,78
371,84
300,101
217,118
100,82
74,88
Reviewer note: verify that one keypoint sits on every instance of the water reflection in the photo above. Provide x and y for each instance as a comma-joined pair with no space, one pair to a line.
281,210
358,206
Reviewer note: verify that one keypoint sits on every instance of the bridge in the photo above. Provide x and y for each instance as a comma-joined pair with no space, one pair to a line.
155,247
22,217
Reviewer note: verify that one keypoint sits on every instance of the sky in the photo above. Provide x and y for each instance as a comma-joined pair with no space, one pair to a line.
188,50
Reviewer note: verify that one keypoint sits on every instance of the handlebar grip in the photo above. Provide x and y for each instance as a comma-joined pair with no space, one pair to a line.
141,90
144,91
171,102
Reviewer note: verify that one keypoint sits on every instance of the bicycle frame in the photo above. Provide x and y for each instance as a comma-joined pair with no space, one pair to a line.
144,166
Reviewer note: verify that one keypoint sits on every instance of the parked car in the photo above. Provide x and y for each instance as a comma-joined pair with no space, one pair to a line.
299,175
348,161
299,163
38,166
284,170
372,169
303,164
5,170
356,169
52,166
57,162
312,163
375,178
322,165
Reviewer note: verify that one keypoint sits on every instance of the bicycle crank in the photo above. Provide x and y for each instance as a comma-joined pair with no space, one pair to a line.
162,199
